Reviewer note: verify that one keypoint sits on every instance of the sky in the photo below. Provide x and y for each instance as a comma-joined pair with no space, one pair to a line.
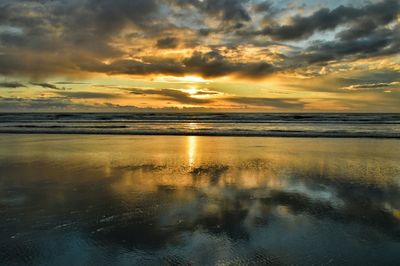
200,55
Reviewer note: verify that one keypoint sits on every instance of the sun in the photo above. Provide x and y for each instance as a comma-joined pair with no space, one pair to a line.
184,79
192,91
193,79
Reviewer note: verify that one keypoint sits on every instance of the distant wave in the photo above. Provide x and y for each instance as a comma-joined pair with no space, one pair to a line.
206,133
231,124
204,117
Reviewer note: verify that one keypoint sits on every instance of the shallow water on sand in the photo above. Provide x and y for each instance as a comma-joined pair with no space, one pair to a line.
138,200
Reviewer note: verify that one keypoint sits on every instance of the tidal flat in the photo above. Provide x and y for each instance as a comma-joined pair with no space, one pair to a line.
178,200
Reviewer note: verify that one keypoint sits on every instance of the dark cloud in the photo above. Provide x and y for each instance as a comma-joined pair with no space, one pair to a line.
325,19
135,67
370,77
166,43
11,85
206,92
36,65
87,95
263,7
48,86
71,83
372,86
56,104
49,38
170,94
361,28
225,10
213,64
35,104
110,15
383,42
205,32
267,102
228,10
52,36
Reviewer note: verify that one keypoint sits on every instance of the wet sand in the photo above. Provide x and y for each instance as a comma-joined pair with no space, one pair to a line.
149,200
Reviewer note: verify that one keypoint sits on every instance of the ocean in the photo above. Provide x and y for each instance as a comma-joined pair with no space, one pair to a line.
206,124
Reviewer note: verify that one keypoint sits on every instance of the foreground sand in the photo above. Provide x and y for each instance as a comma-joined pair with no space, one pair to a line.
200,200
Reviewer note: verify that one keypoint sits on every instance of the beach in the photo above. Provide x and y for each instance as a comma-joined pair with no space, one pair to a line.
202,200
199,132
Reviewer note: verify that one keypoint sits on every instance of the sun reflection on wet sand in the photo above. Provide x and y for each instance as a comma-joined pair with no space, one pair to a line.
191,150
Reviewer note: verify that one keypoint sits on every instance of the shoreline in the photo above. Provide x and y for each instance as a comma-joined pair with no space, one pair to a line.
210,134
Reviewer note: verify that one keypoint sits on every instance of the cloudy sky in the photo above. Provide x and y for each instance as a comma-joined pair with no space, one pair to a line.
200,55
